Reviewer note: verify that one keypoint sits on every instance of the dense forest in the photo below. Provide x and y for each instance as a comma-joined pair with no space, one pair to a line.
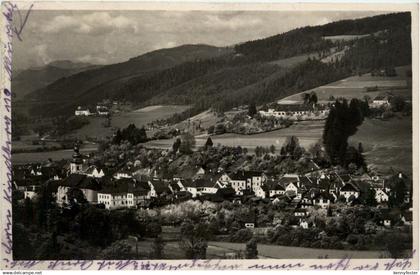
250,73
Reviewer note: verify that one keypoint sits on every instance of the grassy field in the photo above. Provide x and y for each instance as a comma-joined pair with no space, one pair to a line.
23,158
308,132
386,143
355,87
293,61
288,252
217,250
138,117
344,37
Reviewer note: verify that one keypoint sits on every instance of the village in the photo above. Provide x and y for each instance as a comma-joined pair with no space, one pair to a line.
131,186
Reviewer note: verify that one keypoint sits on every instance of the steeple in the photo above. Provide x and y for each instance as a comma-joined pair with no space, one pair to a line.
77,161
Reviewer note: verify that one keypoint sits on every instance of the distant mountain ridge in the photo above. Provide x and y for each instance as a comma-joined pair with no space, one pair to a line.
26,81
221,78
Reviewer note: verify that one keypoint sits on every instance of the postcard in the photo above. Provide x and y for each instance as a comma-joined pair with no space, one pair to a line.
222,136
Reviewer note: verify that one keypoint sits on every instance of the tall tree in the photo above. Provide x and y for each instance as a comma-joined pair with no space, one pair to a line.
251,251
209,143
252,109
187,143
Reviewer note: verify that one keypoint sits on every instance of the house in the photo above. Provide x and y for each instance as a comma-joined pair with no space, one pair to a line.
261,191
82,111
238,182
88,185
223,178
381,195
123,193
157,188
126,173
407,217
296,112
303,224
202,186
249,225
254,179
350,190
379,101
102,110
292,188
94,172
296,183
323,200
300,212
30,191
274,188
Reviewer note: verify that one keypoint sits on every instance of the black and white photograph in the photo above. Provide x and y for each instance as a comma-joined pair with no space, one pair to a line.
227,134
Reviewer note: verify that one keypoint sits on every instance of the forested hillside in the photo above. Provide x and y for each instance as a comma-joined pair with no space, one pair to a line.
223,78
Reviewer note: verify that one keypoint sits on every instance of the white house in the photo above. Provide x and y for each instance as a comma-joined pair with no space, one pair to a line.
30,191
125,193
323,200
82,111
381,196
102,110
348,190
296,112
379,101
123,174
94,172
292,188
238,182
304,224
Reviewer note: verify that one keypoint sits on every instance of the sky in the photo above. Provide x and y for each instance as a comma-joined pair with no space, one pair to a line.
106,37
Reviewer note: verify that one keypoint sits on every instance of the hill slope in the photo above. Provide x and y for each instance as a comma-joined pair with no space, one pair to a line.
220,78
29,80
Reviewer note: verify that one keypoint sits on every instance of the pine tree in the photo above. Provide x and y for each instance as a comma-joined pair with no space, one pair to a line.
209,143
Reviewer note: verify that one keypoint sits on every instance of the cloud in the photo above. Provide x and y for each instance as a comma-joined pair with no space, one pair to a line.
92,59
231,23
41,55
93,23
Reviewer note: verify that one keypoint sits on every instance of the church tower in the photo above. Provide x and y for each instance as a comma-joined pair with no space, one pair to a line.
77,161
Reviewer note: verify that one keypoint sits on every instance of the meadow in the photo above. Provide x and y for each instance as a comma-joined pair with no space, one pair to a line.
217,250
386,143
308,132
140,117
32,157
355,87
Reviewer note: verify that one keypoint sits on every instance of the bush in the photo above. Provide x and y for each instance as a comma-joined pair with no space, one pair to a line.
243,235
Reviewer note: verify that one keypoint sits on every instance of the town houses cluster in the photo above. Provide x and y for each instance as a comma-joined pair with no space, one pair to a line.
132,187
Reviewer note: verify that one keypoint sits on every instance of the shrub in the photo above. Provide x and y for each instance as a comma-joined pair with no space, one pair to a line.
242,235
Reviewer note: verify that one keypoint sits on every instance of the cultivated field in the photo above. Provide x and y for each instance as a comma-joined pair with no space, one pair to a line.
386,143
